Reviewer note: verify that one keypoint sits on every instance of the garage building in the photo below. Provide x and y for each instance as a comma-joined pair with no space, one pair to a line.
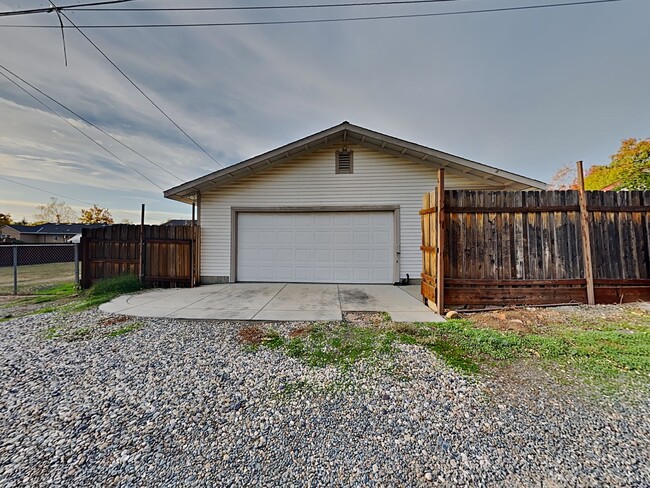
339,206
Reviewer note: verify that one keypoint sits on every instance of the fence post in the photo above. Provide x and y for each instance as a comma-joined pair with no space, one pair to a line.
440,256
76,264
142,258
586,239
15,263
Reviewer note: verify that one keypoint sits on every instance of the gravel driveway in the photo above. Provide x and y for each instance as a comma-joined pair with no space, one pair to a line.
181,403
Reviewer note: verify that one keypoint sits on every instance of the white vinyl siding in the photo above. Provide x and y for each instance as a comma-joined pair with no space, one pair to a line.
311,180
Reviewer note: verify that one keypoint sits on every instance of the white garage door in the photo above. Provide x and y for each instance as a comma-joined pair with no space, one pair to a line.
318,247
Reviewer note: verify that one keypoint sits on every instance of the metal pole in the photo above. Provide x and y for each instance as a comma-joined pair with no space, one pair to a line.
76,265
15,269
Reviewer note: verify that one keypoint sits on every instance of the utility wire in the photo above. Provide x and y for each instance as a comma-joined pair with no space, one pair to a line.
44,10
62,196
259,7
82,132
90,123
317,21
140,89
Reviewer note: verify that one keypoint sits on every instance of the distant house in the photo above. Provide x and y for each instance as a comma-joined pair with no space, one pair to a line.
177,222
44,233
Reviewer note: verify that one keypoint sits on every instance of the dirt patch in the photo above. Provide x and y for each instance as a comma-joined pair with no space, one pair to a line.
300,331
528,381
364,318
252,335
535,320
108,321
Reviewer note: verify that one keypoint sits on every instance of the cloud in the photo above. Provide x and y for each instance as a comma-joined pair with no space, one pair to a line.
524,91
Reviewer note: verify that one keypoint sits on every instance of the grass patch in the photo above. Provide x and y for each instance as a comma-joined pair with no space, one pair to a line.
319,345
79,334
34,277
603,356
52,333
606,356
127,329
65,297
341,345
105,290
46,294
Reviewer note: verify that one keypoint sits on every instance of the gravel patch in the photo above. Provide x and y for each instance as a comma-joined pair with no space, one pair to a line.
156,402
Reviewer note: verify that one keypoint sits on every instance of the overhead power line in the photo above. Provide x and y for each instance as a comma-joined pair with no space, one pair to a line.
82,132
135,85
260,7
44,10
80,117
62,196
318,21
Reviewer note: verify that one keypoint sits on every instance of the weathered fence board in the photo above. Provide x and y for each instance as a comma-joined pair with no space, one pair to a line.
508,248
167,254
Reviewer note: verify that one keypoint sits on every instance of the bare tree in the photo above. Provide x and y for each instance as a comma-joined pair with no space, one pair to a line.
564,178
56,212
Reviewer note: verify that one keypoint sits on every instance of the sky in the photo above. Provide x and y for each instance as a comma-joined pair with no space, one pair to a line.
527,91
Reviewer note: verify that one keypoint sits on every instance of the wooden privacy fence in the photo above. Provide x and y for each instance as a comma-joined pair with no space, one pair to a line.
530,247
161,256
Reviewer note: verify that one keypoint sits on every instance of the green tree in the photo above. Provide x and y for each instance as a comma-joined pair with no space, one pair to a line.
5,219
96,215
56,212
629,168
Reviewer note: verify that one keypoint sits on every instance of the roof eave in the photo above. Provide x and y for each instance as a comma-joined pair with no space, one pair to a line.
353,134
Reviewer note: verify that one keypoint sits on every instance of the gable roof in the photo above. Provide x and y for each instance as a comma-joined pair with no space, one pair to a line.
58,229
353,134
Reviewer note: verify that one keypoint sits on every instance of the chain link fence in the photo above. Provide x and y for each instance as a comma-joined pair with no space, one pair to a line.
27,268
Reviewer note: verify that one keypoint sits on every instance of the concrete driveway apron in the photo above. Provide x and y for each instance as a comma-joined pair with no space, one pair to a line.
275,302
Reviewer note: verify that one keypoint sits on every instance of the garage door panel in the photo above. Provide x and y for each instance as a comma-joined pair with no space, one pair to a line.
304,237
303,255
284,256
283,237
248,255
342,220
325,247
380,275
380,255
302,219
362,275
361,238
323,238
322,256
285,273
266,255
280,220
381,237
342,275
342,237
323,275
304,273
361,257
361,219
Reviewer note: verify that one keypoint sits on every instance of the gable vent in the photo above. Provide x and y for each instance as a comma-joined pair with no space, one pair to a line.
344,161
